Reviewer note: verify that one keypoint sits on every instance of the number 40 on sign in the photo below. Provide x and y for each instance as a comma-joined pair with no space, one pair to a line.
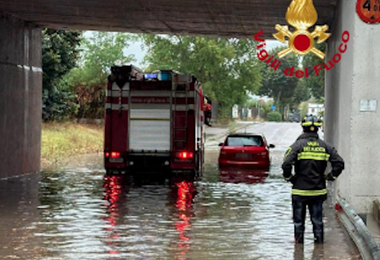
368,10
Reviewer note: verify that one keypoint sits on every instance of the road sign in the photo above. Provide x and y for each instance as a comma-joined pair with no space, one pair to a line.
368,10
273,107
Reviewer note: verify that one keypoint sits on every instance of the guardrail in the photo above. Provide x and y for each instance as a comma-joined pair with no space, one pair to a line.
358,231
376,211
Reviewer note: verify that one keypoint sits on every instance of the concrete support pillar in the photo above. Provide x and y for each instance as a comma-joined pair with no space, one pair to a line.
20,97
352,122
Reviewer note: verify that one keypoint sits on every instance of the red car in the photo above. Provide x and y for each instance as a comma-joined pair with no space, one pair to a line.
246,151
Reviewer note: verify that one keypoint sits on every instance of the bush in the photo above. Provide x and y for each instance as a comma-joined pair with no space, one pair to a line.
58,103
274,117
62,140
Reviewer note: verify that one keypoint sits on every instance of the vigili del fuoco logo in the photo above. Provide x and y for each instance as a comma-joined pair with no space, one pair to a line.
301,15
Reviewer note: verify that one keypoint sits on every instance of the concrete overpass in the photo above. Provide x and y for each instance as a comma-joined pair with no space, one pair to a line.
353,81
232,18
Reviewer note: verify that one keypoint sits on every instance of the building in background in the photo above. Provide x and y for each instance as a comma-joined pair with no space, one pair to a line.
315,109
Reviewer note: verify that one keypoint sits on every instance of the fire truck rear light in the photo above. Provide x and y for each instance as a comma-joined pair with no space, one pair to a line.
185,155
115,154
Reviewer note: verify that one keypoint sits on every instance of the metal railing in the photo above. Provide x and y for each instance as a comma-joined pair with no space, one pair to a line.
358,231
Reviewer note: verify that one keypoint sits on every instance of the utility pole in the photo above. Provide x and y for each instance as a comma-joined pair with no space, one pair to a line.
259,107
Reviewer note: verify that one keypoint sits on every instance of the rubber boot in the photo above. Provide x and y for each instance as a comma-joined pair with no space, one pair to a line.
318,237
298,237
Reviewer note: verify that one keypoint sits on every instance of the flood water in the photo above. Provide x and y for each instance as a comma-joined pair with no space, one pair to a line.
76,212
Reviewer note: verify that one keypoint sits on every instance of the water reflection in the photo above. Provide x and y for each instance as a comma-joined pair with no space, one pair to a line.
123,218
317,254
242,176
184,201
115,194
18,215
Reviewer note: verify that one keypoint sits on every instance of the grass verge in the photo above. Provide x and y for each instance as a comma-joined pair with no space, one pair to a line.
62,140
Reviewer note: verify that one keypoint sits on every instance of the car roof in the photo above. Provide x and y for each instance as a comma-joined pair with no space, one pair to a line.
244,134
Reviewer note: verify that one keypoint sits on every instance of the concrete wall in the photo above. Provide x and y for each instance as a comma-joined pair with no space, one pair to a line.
355,134
20,97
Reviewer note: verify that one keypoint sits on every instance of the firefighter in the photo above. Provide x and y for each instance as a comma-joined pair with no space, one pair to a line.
310,155
207,110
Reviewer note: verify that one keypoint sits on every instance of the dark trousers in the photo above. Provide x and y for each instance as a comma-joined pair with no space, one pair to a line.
299,214
207,117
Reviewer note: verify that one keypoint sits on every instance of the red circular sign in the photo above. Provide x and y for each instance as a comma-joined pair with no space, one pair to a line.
368,10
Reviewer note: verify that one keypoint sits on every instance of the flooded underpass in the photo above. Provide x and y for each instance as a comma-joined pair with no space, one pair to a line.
76,212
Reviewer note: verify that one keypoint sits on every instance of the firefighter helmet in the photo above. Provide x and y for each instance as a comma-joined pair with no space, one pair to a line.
311,123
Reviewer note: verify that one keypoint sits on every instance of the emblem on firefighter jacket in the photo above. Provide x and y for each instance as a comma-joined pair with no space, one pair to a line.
302,15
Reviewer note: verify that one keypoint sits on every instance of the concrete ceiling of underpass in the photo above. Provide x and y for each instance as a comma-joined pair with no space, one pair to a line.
232,18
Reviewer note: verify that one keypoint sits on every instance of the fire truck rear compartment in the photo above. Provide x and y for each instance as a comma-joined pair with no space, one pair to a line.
149,130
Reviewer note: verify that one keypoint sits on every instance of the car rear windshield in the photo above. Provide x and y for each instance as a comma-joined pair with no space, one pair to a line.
244,141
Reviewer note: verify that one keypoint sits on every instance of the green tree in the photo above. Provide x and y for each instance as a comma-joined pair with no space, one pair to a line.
315,83
100,51
301,93
303,109
265,108
59,55
227,68
276,84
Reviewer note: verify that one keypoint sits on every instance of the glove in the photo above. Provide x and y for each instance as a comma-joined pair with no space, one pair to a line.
330,177
292,179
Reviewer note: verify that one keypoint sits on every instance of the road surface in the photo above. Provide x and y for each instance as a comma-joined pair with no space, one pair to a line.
74,212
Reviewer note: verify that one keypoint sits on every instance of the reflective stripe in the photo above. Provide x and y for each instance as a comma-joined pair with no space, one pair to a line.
309,192
150,106
311,123
156,106
313,156
287,152
182,107
116,93
150,119
151,93
188,93
116,106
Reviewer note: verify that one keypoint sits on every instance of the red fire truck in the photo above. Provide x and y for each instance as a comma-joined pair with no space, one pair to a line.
153,121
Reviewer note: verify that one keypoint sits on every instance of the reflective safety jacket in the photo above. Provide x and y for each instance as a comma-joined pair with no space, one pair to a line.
310,155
